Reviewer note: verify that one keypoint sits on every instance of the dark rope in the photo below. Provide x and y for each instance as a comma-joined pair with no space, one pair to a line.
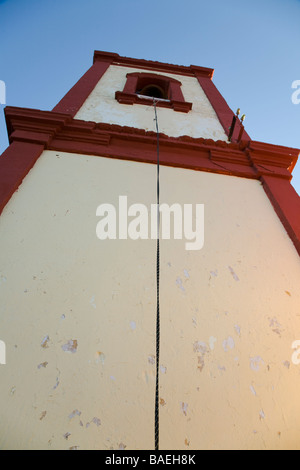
156,425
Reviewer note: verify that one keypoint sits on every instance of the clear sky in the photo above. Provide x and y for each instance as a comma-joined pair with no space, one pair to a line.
254,47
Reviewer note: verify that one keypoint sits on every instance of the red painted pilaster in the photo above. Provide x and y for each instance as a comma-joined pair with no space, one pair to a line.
74,99
286,203
15,163
222,110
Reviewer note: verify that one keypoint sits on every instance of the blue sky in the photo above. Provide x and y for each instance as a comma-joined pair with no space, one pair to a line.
254,47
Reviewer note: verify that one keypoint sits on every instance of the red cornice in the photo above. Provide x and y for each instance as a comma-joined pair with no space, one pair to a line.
32,131
61,131
116,59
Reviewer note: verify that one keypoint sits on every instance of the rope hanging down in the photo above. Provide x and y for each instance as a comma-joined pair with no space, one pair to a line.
156,425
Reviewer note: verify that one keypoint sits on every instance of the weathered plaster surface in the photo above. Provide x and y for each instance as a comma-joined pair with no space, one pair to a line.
78,315
101,106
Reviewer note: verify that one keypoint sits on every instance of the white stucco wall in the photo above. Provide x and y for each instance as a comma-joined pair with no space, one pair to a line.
77,315
101,106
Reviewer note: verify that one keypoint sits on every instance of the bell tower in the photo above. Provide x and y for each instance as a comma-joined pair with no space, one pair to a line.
78,266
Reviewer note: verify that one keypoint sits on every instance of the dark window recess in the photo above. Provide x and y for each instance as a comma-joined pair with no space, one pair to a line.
140,87
153,91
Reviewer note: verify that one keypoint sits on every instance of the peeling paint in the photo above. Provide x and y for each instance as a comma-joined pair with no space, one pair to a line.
256,362
96,421
92,302
132,325
262,414
275,325
200,347
151,359
70,346
237,329
235,277
56,384
100,357
74,413
184,407
43,414
44,343
224,395
179,283
228,344
212,340
201,363
67,435
43,364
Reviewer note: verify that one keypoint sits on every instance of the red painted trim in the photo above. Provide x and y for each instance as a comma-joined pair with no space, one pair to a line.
74,99
32,131
27,142
224,113
57,131
62,132
272,160
15,163
286,203
160,67
133,144
137,80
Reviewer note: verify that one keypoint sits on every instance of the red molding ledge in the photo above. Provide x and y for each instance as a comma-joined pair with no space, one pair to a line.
116,59
31,131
